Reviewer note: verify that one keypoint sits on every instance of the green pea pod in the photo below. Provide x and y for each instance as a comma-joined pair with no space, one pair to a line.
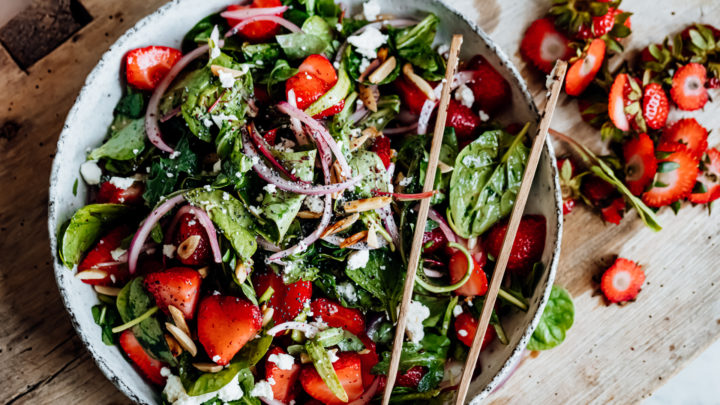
324,367
336,94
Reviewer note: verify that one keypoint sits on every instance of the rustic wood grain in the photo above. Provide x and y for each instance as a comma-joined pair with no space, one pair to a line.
612,354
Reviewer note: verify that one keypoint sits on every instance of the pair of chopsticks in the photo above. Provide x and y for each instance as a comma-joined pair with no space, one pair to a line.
518,208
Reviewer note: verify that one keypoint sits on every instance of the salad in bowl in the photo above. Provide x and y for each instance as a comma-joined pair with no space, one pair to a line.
247,218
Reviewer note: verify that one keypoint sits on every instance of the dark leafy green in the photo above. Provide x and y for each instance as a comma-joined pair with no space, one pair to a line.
379,278
106,317
431,353
165,172
126,142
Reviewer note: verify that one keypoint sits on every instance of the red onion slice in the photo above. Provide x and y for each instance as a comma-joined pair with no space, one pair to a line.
207,223
389,222
308,329
271,401
265,150
369,393
443,225
408,197
279,20
432,273
359,113
425,115
244,13
141,235
270,247
400,130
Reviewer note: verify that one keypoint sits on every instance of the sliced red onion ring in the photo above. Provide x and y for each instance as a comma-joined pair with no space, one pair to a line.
443,225
271,401
433,262
279,20
359,113
269,246
369,393
151,123
170,114
425,115
265,150
244,13
400,130
308,329
432,273
389,222
397,23
206,223
408,197
319,129
141,235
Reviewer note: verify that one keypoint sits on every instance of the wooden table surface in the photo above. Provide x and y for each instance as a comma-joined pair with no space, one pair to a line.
612,354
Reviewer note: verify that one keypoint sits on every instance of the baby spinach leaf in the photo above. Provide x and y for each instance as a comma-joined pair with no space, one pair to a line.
555,321
261,54
375,177
209,382
165,172
201,31
106,317
414,44
431,353
299,45
253,351
85,227
125,143
280,73
132,104
378,277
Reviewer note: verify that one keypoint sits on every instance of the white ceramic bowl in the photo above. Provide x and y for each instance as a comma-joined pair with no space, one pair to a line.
88,120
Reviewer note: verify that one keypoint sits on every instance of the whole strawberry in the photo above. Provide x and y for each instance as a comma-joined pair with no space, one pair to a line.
529,242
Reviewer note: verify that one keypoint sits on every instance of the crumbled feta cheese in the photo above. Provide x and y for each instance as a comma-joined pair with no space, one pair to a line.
262,389
462,332
175,392
91,172
270,188
483,115
465,96
443,49
216,358
371,9
364,63
217,166
117,253
417,313
169,174
225,196
338,27
175,154
207,122
347,291
165,372
314,203
214,43
368,42
226,79
358,259
285,145
282,360
333,356
122,182
457,310
219,119
169,251
406,181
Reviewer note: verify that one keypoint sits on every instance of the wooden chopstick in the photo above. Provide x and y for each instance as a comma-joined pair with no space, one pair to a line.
414,260
517,212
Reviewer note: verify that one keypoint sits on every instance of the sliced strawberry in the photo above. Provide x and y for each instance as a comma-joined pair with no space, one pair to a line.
381,146
320,67
306,87
622,281
178,286
477,285
349,371
583,71
640,164
528,246
675,178
463,119
109,193
337,316
655,106
149,367
368,359
601,25
491,90
268,279
433,241
297,296
330,111
412,97
597,191
708,181
270,136
146,67
616,102
543,45
105,257
257,31
613,213
284,378
192,241
225,324
688,132
412,377
688,87
466,327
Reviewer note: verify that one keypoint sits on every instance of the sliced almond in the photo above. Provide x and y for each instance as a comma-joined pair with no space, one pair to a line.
385,16
372,132
91,274
105,290
355,143
241,272
203,271
268,313
174,346
367,204
369,69
182,338
208,367
340,225
364,351
372,238
353,239
383,70
309,215
305,359
188,246
179,319
382,54
216,69
336,176
444,167
421,83
369,96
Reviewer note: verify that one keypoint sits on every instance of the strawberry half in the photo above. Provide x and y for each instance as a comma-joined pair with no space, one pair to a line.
491,90
349,371
463,119
622,95
287,301
225,324
411,378
640,164
297,295
148,366
146,67
613,213
433,241
528,245
381,146
707,186
258,31
466,327
284,387
368,359
178,286
543,45
337,316
104,257
109,193
622,281
655,106
583,71
306,87
688,87
192,241
477,285
688,132
412,97
675,179
320,67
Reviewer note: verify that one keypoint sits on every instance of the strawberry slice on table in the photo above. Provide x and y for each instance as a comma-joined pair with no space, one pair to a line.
148,366
297,296
105,258
368,359
613,213
543,45
337,316
583,71
528,246
676,175
285,378
110,193
381,146
320,67
178,286
348,368
146,67
688,87
707,186
655,106
622,281
412,97
258,31
688,132
640,163
463,119
600,26
491,90
225,324
617,101
477,285
412,377
466,327
191,239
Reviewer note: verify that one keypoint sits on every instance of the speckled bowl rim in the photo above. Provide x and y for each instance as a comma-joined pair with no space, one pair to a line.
551,268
